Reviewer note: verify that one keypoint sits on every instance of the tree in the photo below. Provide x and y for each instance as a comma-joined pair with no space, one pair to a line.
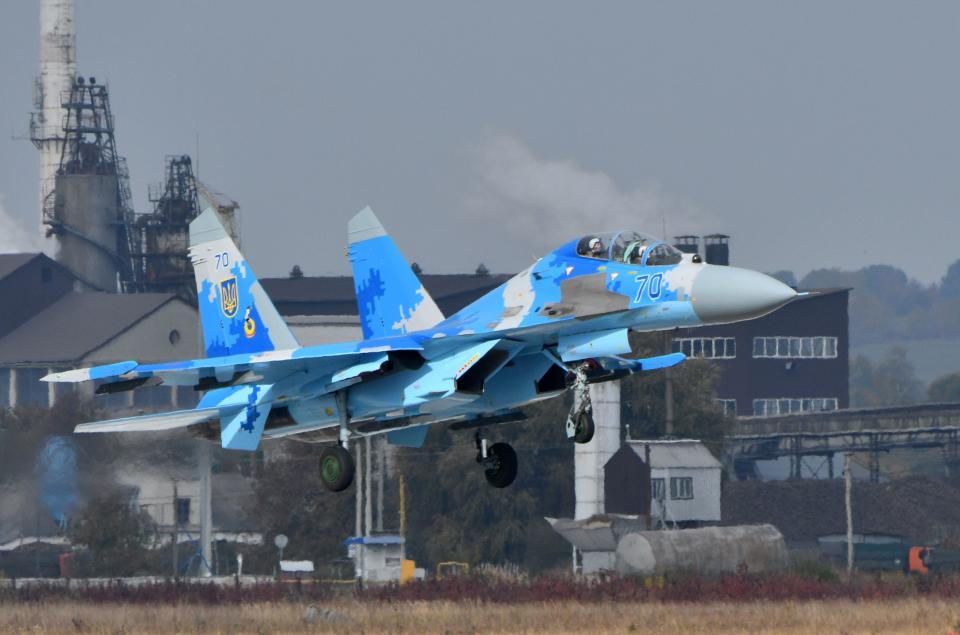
482,271
453,514
890,382
786,277
117,536
950,283
416,268
296,272
945,389
291,500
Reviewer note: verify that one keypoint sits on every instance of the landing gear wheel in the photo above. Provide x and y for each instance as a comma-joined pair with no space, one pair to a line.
583,427
336,468
500,466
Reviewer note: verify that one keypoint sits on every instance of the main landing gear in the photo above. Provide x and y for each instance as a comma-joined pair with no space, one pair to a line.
499,461
336,463
336,468
580,425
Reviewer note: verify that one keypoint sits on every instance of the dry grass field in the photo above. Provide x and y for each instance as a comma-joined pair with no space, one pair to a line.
901,616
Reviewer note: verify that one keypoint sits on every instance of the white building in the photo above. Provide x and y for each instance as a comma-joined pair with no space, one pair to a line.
684,480
683,477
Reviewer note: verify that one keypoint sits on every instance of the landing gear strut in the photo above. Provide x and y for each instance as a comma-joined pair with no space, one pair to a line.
336,464
499,462
580,420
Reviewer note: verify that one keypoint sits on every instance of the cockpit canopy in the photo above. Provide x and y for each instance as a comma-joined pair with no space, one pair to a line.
628,247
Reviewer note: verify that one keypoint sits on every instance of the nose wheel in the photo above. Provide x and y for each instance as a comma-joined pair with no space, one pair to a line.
499,462
580,426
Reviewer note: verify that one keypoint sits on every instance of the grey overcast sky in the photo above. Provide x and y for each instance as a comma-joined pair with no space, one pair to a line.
817,134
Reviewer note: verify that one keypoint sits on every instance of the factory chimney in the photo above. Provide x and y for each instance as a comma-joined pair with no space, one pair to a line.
58,69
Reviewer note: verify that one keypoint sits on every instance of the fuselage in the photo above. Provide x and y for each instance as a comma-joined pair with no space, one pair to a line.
507,348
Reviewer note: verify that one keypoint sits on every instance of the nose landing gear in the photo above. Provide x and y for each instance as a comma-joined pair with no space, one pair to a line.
499,462
580,425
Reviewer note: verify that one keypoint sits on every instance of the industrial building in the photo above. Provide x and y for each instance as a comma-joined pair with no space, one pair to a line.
793,360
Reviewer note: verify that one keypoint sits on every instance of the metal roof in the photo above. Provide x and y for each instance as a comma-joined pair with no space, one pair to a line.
597,533
665,453
75,325
11,262
374,540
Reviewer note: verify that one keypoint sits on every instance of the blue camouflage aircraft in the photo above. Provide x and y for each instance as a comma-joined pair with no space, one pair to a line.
564,322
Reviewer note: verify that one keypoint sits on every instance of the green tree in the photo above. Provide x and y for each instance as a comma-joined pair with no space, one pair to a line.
890,382
117,536
291,500
950,283
945,389
453,514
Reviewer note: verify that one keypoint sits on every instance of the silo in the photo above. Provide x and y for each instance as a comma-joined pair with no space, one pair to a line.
91,217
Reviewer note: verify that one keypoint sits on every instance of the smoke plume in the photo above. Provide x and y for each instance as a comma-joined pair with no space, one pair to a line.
14,237
549,201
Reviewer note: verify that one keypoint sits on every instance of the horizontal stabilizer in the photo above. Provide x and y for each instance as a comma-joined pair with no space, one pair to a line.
89,374
151,423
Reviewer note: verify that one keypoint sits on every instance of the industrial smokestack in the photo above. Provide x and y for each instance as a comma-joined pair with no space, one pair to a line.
58,68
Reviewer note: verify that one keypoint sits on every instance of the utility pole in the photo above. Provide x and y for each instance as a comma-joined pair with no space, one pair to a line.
358,484
206,511
668,389
848,495
176,531
381,469
368,482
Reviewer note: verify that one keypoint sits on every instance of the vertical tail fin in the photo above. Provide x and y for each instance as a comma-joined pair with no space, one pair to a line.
235,312
390,298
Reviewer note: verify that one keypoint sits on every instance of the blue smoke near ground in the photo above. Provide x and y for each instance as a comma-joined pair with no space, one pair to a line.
57,470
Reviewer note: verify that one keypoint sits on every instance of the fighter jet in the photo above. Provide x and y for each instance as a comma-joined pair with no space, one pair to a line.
563,323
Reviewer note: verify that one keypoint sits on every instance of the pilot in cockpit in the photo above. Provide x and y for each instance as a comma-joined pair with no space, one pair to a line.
595,248
634,253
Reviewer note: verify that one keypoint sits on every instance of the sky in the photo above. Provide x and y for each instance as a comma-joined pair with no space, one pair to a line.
816,134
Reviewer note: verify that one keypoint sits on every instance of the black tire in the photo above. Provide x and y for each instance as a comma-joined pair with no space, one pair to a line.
583,433
503,470
336,468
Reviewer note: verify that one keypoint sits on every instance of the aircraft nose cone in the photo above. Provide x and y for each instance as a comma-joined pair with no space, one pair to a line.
728,294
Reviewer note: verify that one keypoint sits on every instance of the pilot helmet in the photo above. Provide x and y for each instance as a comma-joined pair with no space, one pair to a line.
594,243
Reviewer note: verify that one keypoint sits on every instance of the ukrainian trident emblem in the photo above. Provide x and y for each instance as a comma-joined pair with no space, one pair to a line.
229,300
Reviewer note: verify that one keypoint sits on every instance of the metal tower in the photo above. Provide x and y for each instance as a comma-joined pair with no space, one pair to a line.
89,212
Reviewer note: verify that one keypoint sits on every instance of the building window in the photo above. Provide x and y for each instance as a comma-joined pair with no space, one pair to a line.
657,489
681,488
183,511
706,347
821,347
728,406
793,405
30,390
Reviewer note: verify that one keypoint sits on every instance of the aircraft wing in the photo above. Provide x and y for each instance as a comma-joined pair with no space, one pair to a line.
155,422
262,367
